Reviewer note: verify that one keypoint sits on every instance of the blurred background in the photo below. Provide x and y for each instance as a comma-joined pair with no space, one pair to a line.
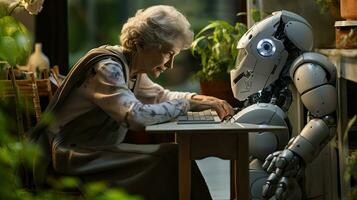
92,23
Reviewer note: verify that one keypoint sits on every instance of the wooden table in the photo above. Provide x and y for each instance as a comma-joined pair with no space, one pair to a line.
225,140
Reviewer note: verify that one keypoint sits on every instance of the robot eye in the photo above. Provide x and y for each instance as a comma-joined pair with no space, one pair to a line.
266,47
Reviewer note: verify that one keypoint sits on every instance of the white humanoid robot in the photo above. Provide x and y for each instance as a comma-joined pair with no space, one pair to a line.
273,54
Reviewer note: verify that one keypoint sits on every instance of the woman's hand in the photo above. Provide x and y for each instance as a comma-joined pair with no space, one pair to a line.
203,102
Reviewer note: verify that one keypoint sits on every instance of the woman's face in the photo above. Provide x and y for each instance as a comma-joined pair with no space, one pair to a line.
154,59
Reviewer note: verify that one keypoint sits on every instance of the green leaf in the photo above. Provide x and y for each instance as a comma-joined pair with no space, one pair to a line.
214,24
241,29
255,14
67,182
117,194
194,45
93,189
8,50
47,118
241,14
9,26
216,44
24,45
15,41
3,10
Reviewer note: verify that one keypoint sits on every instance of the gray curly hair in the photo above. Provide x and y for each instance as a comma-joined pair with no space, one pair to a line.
159,24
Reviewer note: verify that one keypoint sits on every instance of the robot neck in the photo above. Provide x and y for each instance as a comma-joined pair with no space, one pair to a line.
277,93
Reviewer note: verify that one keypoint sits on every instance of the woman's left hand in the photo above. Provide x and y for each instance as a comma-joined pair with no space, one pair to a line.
203,102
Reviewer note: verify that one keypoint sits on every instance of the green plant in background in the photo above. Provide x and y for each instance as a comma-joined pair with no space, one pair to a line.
351,170
255,13
216,44
15,39
326,5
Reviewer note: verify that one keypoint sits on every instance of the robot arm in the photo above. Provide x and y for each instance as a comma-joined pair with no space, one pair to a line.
314,78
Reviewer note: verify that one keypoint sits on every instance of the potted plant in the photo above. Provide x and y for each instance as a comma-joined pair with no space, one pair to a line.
216,46
15,39
346,37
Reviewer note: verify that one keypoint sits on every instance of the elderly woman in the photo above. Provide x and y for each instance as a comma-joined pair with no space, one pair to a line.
108,92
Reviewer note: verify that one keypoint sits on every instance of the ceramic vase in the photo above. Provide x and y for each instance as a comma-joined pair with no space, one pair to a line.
38,61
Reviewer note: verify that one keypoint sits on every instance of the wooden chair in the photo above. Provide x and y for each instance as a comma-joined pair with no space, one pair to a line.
26,99
44,85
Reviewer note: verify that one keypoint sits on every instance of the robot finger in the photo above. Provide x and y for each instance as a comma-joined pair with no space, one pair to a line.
281,190
279,172
267,161
285,158
281,162
272,166
270,186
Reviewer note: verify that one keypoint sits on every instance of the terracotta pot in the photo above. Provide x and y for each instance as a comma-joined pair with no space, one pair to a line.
348,9
220,89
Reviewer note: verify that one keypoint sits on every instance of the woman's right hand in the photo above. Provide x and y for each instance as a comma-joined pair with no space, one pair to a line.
202,102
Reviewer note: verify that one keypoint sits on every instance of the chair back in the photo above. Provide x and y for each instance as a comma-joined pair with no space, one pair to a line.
27,101
44,86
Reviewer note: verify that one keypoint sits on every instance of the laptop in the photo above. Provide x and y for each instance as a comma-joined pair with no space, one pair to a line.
202,117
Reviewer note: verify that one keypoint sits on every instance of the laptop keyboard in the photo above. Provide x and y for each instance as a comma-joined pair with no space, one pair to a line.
203,117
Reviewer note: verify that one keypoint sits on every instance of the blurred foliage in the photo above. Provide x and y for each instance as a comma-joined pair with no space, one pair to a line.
256,16
351,170
15,41
16,160
216,44
326,5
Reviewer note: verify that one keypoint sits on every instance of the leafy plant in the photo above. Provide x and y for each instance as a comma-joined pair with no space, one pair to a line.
15,39
325,5
255,13
216,44
351,171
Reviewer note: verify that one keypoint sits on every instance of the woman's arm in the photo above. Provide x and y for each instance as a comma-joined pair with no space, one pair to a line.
150,92
108,90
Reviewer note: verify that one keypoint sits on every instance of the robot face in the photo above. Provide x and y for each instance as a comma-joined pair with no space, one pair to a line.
260,59
261,56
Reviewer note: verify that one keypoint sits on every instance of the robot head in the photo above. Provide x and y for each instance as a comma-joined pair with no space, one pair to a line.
263,51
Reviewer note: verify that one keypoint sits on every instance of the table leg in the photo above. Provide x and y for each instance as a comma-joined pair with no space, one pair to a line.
242,168
183,141
233,174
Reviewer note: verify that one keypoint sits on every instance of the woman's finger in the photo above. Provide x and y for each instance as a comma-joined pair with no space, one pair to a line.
219,109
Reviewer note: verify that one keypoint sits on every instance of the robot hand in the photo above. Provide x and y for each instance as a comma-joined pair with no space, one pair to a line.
283,166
